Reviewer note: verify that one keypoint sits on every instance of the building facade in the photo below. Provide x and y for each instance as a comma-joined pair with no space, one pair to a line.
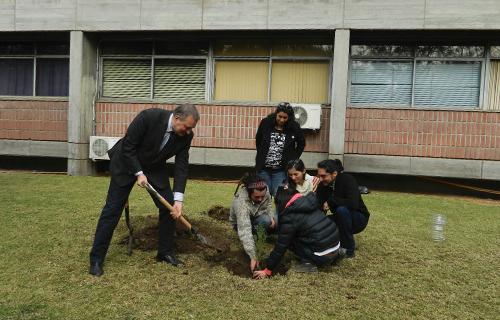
405,87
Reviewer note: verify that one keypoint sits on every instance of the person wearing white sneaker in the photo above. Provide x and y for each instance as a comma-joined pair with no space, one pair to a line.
303,229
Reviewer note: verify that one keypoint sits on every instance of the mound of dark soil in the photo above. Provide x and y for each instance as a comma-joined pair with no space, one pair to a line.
220,253
219,213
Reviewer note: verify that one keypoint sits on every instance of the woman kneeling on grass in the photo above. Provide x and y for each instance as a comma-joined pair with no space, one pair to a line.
303,229
298,179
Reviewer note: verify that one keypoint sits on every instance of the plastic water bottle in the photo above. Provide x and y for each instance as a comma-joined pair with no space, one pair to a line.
438,223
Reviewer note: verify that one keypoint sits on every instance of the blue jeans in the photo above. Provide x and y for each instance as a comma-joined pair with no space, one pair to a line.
349,223
273,179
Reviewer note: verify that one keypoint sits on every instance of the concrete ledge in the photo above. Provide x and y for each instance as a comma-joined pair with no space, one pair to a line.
434,167
32,148
491,170
446,167
377,164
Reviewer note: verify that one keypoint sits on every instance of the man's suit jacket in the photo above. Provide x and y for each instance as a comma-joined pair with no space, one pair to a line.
139,150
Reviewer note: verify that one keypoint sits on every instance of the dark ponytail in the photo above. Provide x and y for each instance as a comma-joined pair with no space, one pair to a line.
339,165
283,195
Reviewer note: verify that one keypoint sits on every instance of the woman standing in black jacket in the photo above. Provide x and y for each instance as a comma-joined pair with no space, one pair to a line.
279,139
339,193
303,229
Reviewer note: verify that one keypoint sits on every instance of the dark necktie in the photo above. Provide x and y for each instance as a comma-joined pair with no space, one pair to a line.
166,137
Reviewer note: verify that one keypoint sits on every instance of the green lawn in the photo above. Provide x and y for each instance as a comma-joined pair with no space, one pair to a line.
47,223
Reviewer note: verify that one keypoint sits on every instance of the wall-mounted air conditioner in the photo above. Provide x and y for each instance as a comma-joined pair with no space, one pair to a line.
99,147
307,115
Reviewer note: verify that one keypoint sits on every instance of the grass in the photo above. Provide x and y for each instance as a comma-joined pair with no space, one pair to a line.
47,223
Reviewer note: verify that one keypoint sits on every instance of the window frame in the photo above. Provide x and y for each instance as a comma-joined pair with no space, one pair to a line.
34,57
269,58
484,61
152,57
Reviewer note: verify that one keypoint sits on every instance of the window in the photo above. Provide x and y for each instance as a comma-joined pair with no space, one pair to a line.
241,80
422,76
180,79
381,82
16,77
493,82
126,78
447,83
300,81
34,69
254,71
154,70
240,71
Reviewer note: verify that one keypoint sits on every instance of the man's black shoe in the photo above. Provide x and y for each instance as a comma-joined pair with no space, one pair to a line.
169,258
346,254
96,269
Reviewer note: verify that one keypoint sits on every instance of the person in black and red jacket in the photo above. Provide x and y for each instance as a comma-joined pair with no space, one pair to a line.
339,193
279,139
303,229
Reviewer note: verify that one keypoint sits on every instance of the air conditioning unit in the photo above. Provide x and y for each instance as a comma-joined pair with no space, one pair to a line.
308,116
99,147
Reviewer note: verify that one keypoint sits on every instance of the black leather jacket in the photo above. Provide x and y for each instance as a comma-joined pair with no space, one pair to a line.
305,227
294,141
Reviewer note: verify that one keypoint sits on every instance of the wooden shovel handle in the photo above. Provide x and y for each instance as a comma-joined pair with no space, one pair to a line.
167,205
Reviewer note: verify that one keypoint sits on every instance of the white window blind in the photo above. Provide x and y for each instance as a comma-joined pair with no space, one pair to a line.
381,82
126,78
179,79
447,83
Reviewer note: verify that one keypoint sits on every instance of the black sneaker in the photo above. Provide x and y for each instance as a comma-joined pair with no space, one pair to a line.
306,267
346,254
96,269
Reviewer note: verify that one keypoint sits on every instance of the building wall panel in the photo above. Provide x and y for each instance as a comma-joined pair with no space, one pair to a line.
7,14
465,14
171,15
314,14
36,15
235,14
34,120
108,15
230,127
92,15
389,14
423,133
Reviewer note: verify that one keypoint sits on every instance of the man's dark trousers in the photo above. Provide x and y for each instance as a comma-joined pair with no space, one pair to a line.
111,213
349,223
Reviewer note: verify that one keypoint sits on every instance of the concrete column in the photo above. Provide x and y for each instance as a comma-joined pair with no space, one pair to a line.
82,86
339,93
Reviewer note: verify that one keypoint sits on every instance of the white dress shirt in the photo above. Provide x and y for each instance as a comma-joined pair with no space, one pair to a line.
178,196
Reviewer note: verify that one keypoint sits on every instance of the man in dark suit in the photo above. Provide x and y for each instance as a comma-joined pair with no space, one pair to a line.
154,136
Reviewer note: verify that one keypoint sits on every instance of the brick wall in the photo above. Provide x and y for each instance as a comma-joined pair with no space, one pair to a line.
219,127
423,133
34,120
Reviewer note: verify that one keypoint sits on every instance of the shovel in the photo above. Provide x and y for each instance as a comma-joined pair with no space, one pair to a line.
181,219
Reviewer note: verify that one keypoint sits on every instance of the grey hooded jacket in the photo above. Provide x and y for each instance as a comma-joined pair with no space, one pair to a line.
242,211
